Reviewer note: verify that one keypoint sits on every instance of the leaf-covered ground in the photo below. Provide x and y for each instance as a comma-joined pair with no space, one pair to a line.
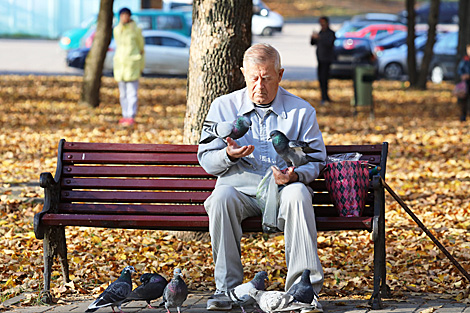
428,166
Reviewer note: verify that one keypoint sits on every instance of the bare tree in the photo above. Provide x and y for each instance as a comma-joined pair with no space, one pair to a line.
410,41
94,62
428,48
220,35
464,31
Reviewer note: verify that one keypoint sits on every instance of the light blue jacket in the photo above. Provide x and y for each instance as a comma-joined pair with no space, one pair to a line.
288,113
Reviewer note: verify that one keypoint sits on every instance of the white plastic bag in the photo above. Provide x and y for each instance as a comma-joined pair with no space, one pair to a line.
267,195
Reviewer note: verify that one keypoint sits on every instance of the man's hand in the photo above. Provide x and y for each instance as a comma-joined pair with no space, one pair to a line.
234,151
465,76
284,177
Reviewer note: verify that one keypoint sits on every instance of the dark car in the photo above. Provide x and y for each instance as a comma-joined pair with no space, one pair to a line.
448,13
76,57
350,52
395,40
444,60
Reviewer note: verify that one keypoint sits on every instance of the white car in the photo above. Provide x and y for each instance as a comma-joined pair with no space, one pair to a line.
165,53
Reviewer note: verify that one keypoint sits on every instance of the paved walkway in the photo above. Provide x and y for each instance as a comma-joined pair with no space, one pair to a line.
196,303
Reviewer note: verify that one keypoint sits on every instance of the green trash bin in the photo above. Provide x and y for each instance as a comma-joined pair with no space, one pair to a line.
364,76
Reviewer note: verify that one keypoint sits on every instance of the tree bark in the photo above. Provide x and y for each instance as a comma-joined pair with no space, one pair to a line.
221,33
94,62
428,48
410,41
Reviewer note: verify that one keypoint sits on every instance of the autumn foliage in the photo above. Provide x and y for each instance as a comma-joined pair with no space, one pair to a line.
428,166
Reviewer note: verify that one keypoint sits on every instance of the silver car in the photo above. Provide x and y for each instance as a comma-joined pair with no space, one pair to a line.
165,53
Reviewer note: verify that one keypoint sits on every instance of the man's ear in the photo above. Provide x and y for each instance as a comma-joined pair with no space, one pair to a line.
281,72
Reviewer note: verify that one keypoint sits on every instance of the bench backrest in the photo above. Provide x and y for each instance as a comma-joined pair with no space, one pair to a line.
162,179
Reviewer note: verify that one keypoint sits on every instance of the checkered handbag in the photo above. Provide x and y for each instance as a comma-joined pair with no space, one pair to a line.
347,183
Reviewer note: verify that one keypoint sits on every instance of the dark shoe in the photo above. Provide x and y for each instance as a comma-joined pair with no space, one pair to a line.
219,302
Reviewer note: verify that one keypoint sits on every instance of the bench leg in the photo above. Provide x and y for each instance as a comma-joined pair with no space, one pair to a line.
54,245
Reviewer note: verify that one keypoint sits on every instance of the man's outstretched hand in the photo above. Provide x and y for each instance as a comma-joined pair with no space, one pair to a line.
234,151
284,177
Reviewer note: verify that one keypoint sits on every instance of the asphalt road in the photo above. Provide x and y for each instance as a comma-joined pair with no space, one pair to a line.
35,56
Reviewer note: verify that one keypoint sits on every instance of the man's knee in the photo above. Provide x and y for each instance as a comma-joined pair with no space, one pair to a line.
295,193
220,198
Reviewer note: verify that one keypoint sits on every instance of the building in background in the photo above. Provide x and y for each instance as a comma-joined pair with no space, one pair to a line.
50,18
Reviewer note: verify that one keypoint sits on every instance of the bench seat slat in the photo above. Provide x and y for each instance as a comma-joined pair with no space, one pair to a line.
129,158
187,222
139,184
136,197
162,209
135,171
125,147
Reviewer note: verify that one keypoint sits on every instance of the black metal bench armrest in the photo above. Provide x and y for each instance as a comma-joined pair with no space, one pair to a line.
51,195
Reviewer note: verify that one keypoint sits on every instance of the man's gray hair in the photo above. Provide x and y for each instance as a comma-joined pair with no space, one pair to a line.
262,53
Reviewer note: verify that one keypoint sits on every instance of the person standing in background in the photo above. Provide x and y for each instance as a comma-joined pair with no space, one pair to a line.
324,40
463,70
128,64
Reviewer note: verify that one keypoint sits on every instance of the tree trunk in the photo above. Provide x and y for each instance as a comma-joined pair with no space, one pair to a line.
428,49
220,35
94,62
410,41
464,32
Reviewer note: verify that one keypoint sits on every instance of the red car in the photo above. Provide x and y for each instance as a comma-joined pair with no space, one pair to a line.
377,30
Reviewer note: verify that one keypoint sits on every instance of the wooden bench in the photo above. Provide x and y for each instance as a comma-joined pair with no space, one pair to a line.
162,187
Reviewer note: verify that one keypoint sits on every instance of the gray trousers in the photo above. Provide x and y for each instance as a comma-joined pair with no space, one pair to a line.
227,207
128,97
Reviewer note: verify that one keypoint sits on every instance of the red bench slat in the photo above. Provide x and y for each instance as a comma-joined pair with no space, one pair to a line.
135,197
135,171
139,184
162,209
128,147
128,158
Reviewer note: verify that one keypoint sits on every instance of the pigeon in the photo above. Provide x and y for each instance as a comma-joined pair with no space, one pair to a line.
151,289
303,290
175,292
235,130
115,294
240,294
292,151
279,301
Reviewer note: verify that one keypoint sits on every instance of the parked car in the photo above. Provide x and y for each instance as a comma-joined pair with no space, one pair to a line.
350,52
374,30
264,22
165,53
360,21
444,61
175,21
448,13
395,40
393,63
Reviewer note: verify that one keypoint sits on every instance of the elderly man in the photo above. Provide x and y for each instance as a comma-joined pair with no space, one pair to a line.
240,166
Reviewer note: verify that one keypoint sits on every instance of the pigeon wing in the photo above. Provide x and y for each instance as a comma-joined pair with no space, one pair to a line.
115,293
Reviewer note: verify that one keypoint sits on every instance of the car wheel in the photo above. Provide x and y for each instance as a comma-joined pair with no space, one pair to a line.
268,31
393,71
437,74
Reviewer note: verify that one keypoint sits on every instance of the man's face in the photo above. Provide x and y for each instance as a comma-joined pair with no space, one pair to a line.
125,18
323,24
262,81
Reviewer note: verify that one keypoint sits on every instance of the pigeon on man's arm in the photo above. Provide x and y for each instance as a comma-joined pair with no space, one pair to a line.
235,130
115,294
151,289
175,292
240,294
294,152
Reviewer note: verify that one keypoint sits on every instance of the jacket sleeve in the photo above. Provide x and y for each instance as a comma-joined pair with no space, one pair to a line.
141,44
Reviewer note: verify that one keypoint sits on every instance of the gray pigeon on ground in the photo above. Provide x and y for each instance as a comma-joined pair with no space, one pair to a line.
115,294
235,130
175,292
240,294
294,152
303,290
151,289
279,301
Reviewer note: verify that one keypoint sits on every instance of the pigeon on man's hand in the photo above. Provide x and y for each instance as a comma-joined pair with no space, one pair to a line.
115,294
175,292
151,289
294,152
240,294
279,301
303,290
235,130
